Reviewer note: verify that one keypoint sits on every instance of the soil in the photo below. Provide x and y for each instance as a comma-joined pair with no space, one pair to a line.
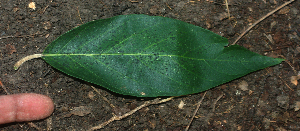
269,102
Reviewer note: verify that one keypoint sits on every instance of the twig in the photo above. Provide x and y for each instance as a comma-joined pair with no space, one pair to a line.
198,106
104,98
215,102
147,103
226,2
169,6
4,37
278,48
134,1
264,17
281,77
34,125
79,15
46,7
269,37
4,88
285,83
289,63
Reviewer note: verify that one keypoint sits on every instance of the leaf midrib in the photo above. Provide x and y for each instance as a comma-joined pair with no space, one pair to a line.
139,54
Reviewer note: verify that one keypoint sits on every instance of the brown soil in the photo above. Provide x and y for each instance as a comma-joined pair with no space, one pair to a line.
268,104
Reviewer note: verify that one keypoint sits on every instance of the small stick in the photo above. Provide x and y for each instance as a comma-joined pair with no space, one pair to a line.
27,58
46,7
34,125
104,98
4,37
79,15
285,83
198,106
215,102
264,17
147,103
4,88
226,2
32,35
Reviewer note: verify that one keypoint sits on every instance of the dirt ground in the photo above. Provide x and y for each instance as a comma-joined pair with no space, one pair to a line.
270,102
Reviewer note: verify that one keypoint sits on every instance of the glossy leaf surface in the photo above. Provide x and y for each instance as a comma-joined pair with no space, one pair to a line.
149,56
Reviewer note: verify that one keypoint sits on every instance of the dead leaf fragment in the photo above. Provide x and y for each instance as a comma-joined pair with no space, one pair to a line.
31,5
243,85
79,111
181,104
294,79
10,49
250,92
297,105
91,95
283,101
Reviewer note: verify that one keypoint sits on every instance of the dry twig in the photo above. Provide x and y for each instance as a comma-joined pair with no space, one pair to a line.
147,103
4,88
215,102
79,15
226,2
34,125
5,37
264,17
43,11
104,98
198,106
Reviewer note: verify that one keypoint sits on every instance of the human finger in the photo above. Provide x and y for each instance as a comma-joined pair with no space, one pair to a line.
24,107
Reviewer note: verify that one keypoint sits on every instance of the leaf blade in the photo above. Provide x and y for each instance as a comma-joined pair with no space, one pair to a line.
148,56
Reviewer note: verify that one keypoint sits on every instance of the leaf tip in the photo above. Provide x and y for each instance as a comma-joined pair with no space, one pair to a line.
280,59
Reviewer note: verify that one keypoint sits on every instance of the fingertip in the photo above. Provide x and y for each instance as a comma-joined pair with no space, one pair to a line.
33,106
24,107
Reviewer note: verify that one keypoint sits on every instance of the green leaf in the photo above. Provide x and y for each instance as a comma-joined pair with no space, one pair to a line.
149,56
